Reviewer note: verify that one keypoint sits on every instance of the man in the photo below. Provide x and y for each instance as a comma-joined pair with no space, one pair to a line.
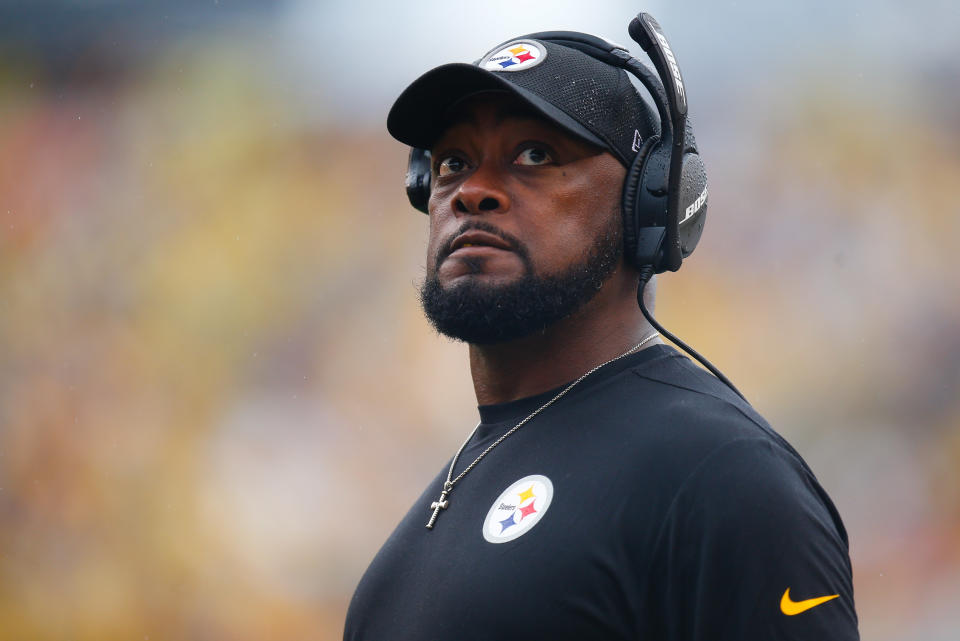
612,489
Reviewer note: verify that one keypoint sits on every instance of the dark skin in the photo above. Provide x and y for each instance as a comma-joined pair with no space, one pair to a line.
499,163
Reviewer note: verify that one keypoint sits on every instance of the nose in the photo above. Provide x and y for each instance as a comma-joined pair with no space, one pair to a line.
482,192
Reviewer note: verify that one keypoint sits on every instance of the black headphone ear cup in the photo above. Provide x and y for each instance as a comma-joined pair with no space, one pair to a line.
644,206
418,179
693,202
632,185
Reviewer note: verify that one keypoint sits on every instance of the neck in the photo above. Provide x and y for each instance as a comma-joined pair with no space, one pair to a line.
603,329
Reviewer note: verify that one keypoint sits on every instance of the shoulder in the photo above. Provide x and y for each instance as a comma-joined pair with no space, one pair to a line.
684,436
667,403
723,444
672,433
676,384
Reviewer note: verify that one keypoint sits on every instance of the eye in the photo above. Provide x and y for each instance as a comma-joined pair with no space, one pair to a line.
533,156
450,165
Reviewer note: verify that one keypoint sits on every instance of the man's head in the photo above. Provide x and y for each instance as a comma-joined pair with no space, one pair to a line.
529,152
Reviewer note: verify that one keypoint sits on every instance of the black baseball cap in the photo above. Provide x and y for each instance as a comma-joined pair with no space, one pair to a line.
587,97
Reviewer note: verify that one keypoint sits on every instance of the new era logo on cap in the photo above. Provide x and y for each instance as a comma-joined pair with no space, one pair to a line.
515,56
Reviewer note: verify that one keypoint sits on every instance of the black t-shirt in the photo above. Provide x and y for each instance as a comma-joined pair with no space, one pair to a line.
648,503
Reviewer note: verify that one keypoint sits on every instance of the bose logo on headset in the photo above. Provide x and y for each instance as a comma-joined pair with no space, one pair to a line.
695,206
674,69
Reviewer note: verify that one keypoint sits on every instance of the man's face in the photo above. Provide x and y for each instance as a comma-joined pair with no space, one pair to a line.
524,222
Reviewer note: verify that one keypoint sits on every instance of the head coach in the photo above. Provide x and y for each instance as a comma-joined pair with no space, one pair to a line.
612,489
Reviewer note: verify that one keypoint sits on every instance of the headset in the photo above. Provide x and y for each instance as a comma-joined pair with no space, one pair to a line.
664,197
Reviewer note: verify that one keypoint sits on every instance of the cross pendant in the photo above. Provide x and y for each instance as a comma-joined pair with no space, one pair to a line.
441,504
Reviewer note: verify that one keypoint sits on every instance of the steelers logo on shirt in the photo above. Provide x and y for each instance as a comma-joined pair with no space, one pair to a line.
518,509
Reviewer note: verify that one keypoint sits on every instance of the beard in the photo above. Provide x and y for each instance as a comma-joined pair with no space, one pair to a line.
483,314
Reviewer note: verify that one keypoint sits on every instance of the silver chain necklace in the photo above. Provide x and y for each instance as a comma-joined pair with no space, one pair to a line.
443,502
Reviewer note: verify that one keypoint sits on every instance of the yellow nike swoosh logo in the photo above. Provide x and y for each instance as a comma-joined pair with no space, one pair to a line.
791,607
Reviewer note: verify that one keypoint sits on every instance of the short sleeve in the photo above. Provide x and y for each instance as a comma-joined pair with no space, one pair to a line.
753,548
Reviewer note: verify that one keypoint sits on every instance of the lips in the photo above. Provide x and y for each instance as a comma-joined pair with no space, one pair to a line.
475,238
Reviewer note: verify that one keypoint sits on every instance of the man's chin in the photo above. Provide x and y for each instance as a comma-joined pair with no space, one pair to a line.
476,308
484,309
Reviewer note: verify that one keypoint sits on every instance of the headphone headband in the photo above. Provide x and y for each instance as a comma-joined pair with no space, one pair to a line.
593,46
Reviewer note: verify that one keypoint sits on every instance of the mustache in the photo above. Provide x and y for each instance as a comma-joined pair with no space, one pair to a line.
512,241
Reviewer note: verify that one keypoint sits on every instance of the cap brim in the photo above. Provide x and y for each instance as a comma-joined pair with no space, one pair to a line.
419,115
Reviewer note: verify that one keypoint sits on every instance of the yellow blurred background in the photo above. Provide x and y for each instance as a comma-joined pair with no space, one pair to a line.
217,392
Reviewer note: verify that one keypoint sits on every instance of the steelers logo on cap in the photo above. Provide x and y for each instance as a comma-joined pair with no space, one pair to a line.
519,55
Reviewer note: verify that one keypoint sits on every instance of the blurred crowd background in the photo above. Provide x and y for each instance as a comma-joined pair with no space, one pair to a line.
217,392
